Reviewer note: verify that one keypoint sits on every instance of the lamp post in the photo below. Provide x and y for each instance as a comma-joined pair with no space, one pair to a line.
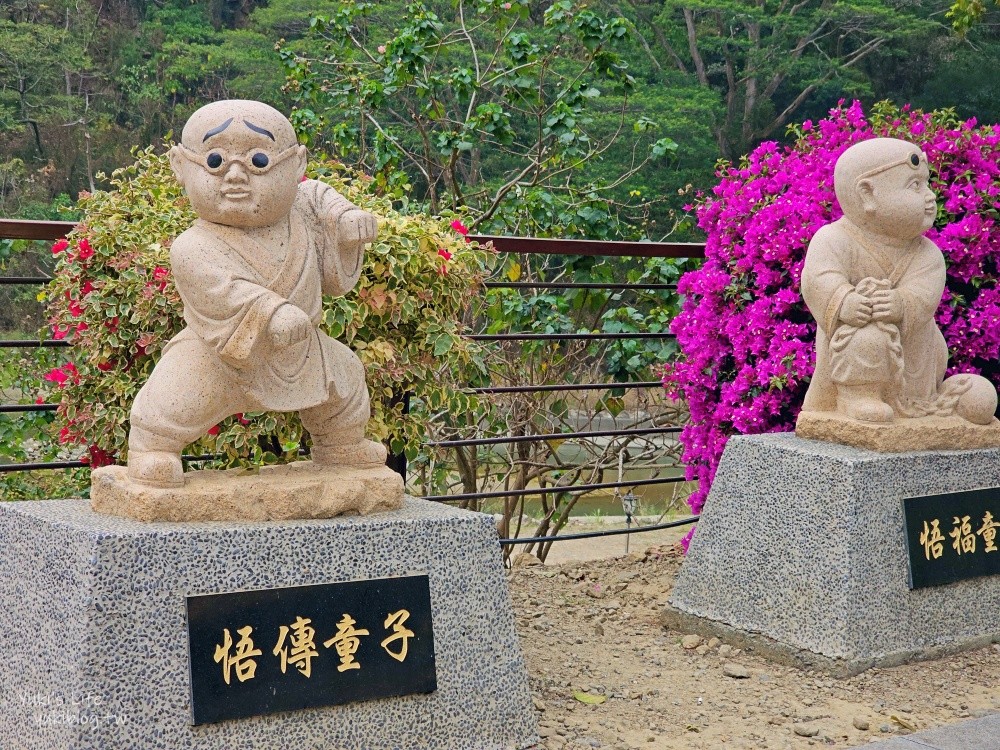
630,504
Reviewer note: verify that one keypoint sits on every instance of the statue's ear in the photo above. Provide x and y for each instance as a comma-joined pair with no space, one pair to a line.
179,165
866,192
301,158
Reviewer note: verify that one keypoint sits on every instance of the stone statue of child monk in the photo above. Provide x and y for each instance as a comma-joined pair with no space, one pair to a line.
251,272
873,282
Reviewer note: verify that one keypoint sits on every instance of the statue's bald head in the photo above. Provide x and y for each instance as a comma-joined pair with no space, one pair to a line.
867,161
239,163
235,115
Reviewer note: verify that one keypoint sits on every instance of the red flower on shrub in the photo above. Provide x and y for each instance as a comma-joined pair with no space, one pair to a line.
213,430
459,227
56,376
59,246
98,457
84,250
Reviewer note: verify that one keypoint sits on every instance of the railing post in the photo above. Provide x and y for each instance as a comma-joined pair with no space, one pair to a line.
397,461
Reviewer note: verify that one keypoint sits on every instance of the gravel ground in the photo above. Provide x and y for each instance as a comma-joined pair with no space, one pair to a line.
605,674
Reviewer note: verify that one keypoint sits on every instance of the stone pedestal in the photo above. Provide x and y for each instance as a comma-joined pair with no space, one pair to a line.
93,628
273,493
801,554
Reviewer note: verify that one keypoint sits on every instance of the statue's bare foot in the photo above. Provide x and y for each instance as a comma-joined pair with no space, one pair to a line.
362,453
864,407
157,469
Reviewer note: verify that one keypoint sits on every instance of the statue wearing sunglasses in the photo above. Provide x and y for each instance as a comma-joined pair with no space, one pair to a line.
251,272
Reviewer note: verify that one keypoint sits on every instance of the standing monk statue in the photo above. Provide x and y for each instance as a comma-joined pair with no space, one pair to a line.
251,273
873,282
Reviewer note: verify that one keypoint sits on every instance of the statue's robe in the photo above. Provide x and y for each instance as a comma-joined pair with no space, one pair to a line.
224,360
907,358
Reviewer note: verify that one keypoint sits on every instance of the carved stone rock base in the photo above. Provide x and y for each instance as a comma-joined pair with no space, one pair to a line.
300,490
898,436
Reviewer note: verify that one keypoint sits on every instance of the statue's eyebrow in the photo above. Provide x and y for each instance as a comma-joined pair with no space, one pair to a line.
258,129
217,130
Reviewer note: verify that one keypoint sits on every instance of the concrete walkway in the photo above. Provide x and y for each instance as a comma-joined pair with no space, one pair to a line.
975,734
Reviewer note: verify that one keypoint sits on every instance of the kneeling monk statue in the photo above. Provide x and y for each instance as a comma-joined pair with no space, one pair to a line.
873,282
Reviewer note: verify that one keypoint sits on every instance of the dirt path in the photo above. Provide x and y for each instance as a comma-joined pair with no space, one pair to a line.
590,632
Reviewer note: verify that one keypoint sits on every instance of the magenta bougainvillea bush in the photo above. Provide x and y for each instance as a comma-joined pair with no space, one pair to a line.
746,339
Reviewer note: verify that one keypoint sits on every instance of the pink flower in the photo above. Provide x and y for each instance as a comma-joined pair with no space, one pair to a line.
84,250
381,49
459,227
59,246
160,273
505,6
98,457
745,336
444,253
56,376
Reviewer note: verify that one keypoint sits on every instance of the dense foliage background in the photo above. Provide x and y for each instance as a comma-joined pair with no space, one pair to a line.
83,81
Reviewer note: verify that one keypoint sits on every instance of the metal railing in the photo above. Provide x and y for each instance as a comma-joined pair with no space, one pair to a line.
54,230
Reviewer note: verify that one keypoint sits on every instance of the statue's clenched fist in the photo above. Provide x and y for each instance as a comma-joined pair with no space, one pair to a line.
289,325
357,227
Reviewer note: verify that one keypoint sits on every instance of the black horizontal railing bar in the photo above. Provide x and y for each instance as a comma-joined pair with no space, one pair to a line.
571,285
7,468
552,436
25,280
31,343
548,246
567,336
549,490
80,464
565,387
21,229
591,534
14,408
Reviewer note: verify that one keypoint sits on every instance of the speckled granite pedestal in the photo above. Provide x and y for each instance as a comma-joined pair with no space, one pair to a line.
800,553
94,640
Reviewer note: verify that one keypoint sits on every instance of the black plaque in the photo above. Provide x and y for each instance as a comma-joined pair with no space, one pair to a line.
394,657
953,536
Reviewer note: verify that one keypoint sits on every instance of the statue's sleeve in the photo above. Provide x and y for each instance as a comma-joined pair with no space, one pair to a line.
922,285
223,305
825,281
339,262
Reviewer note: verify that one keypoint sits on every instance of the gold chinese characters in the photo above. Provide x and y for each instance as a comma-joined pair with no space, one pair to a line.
296,645
963,536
